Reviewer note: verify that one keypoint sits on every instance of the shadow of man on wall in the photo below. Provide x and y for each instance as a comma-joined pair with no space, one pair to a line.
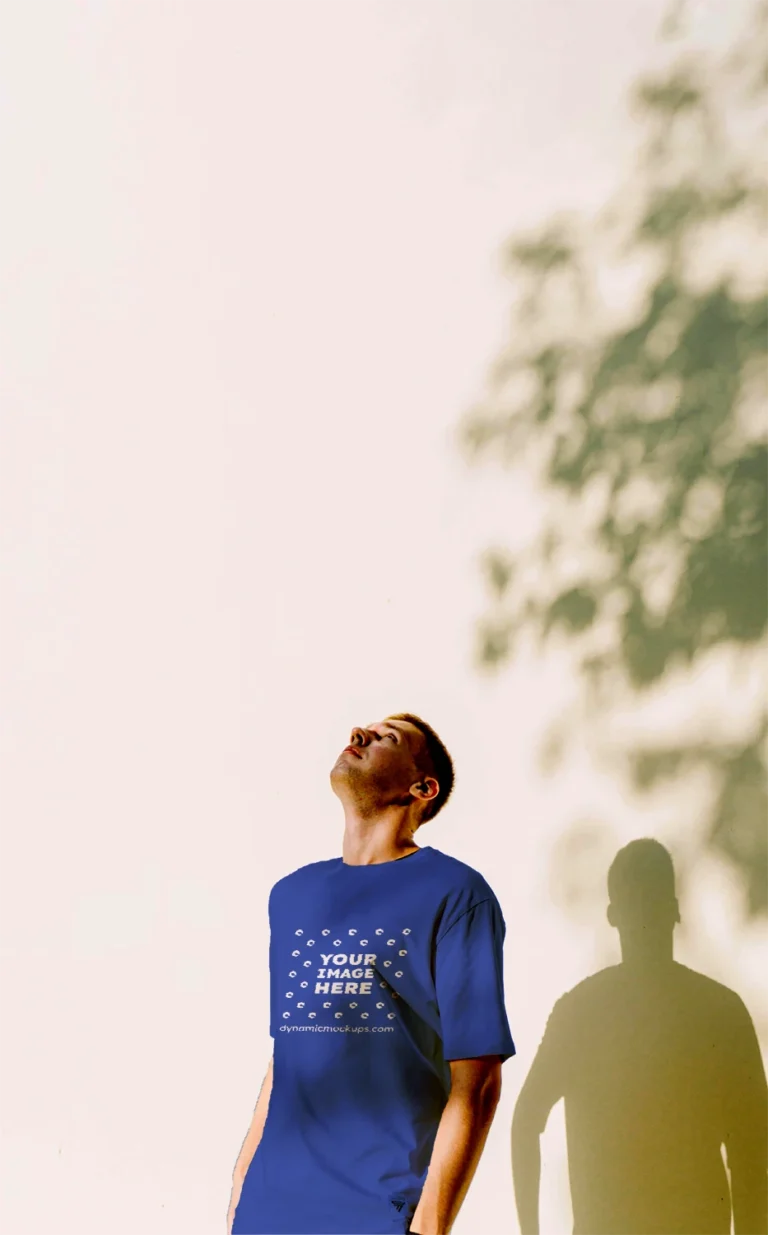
659,1066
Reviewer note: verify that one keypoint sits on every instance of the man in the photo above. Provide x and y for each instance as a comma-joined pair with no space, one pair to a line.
659,1067
387,1013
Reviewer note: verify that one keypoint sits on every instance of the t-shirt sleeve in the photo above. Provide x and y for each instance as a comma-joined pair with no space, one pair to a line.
469,982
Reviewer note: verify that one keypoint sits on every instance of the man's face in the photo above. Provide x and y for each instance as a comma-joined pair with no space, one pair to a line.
381,763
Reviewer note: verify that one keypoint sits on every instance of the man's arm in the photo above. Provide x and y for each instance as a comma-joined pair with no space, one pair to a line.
250,1145
459,1143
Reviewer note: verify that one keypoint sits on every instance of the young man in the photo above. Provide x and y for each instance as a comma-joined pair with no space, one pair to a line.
387,1013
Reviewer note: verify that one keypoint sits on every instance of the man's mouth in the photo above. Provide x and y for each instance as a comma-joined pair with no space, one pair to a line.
353,750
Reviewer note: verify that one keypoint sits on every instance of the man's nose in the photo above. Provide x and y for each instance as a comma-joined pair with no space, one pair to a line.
360,737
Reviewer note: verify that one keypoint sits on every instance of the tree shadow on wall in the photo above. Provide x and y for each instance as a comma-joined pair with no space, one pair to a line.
659,1067
649,435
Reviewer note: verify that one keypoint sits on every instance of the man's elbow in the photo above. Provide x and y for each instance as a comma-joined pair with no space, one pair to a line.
481,1103
492,1087
477,1083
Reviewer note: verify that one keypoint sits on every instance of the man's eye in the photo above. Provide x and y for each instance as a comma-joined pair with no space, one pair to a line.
392,736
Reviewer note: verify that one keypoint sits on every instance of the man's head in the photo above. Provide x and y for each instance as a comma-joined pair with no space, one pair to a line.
641,888
399,761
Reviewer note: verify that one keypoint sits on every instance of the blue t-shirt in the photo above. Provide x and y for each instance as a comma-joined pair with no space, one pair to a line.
379,976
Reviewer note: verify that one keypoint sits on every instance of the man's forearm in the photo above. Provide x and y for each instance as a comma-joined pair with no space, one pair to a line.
526,1175
459,1143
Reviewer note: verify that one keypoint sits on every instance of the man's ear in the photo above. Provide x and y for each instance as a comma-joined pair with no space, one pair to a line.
426,789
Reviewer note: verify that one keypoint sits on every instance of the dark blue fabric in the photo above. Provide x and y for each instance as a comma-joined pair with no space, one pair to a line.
380,975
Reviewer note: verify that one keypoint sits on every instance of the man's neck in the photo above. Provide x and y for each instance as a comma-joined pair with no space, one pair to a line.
372,836
351,858
368,842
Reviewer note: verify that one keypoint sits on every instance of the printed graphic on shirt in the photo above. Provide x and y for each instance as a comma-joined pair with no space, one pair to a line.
342,977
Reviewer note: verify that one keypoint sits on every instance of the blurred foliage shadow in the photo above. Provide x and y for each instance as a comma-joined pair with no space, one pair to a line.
647,427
